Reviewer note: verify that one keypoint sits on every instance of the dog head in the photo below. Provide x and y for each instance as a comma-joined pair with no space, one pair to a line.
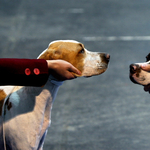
89,63
139,76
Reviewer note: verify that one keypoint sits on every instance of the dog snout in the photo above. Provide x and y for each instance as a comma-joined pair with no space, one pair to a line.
134,68
105,57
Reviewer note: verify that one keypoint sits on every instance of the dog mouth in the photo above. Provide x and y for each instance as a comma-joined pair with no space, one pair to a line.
133,80
99,70
140,80
102,65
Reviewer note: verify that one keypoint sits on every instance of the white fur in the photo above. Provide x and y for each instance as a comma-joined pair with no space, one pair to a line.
93,64
29,123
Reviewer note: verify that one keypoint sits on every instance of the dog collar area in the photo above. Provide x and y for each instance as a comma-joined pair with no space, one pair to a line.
55,81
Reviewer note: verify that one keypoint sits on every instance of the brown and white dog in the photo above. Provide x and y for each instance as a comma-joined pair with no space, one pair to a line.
26,111
138,75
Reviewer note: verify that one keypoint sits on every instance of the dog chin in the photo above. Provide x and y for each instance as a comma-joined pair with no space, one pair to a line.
133,80
141,80
90,73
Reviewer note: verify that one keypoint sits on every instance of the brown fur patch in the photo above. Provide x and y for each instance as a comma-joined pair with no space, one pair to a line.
2,97
67,51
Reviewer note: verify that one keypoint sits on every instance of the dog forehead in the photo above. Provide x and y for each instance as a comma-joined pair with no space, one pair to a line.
68,44
65,41
64,46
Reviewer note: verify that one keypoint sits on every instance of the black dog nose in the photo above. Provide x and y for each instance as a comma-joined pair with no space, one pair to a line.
107,56
134,68
104,57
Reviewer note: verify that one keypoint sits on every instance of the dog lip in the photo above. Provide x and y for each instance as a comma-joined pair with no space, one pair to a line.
141,79
102,66
132,79
87,76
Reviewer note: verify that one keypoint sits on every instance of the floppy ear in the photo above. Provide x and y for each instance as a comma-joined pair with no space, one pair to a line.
148,57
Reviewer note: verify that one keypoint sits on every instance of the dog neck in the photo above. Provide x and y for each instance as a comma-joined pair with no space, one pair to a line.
55,81
26,99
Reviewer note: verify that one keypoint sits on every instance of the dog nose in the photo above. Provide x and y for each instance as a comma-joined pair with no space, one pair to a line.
134,68
107,56
104,57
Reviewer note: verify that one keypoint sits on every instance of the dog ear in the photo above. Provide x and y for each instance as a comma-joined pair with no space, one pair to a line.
148,57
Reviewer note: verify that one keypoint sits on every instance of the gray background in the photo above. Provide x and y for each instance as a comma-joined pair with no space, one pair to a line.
106,112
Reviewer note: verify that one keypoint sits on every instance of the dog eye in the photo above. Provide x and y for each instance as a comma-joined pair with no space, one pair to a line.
81,51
